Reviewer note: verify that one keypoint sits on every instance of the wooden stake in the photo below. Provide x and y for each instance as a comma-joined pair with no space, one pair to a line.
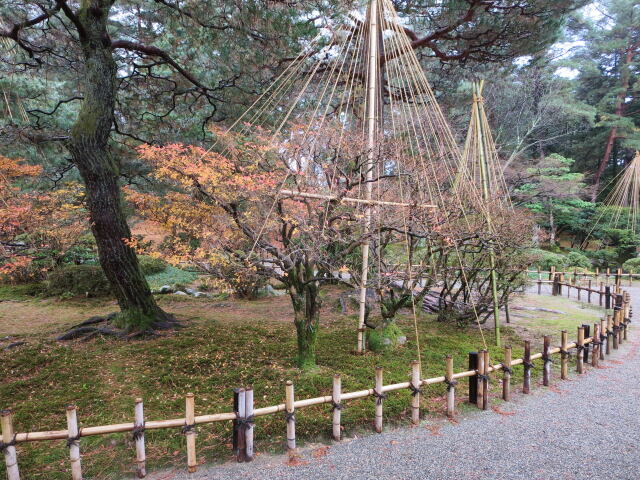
336,395
596,345
506,379
138,437
473,380
589,292
485,381
564,356
603,337
480,380
415,398
74,442
248,410
587,334
290,414
609,333
234,442
580,347
601,293
190,432
379,398
451,388
546,373
241,449
526,383
10,455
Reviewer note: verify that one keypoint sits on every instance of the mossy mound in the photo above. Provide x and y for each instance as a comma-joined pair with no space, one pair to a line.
87,280
151,265
385,337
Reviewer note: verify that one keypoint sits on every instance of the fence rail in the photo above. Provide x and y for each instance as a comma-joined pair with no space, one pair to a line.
608,334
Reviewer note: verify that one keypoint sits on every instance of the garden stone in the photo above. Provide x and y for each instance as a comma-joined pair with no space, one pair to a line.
165,289
190,291
200,294
180,292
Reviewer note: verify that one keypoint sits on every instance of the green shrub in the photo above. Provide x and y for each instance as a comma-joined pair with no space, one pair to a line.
78,280
632,265
545,260
604,259
383,337
151,265
577,259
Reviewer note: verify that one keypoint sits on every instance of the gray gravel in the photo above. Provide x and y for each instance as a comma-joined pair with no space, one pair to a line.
585,428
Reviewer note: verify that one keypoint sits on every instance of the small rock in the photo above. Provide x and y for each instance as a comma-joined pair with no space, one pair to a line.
201,294
165,289
402,340
190,291
180,292
386,341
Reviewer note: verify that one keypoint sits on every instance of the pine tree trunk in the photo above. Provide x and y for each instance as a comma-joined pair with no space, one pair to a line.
89,148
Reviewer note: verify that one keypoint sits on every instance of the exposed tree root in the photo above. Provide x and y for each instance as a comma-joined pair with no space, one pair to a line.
91,328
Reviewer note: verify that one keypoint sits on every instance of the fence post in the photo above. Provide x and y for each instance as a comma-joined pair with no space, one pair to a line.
552,271
451,388
74,442
587,334
526,362
8,439
248,410
290,415
480,380
506,379
546,373
336,397
539,282
607,297
597,343
379,394
580,347
601,293
190,432
241,445
564,356
609,333
589,292
603,337
473,380
616,329
415,392
235,423
138,437
485,380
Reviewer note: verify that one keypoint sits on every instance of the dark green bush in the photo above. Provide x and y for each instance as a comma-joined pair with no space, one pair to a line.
152,265
78,280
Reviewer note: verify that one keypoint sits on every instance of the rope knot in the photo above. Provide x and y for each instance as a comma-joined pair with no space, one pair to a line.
414,390
379,396
189,428
290,416
4,446
71,441
336,406
138,432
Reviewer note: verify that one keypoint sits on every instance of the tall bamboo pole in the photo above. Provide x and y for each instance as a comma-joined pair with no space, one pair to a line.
372,129
10,456
484,176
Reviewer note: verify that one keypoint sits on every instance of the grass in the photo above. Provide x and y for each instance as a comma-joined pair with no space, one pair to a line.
223,346
170,276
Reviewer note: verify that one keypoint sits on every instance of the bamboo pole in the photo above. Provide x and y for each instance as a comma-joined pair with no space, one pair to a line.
616,329
73,442
138,437
546,356
451,388
290,415
526,382
603,337
379,399
248,410
485,381
190,432
373,122
601,293
473,381
579,355
241,447
415,396
480,380
8,439
364,201
609,333
589,292
506,380
596,345
337,406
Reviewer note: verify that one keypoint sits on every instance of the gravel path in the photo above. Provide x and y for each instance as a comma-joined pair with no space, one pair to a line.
585,428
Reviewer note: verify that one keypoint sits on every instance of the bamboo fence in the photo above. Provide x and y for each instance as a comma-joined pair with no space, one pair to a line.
607,335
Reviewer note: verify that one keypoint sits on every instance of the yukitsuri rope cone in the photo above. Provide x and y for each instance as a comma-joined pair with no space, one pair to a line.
607,336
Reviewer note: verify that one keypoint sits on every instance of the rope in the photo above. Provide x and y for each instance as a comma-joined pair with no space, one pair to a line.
71,441
414,390
379,396
246,422
138,431
5,446
290,416
507,369
337,406
190,428
451,384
